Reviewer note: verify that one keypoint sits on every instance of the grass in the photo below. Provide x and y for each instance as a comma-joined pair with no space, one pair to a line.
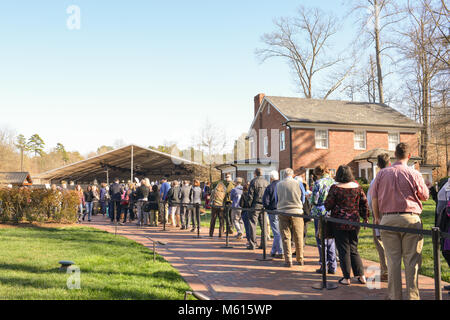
367,248
112,267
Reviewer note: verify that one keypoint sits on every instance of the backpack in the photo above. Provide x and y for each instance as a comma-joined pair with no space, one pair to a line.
218,196
124,198
147,206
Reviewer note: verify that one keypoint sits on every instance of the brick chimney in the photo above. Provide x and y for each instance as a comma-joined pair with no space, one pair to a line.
258,99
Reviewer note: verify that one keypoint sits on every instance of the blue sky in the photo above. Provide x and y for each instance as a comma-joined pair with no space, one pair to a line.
138,71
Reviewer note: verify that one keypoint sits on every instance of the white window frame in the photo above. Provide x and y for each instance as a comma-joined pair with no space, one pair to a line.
365,139
327,140
266,145
282,140
282,174
251,142
398,141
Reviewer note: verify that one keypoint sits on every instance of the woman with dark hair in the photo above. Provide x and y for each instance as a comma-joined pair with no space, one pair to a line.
88,198
346,200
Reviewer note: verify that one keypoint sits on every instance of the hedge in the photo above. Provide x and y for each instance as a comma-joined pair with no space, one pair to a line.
24,204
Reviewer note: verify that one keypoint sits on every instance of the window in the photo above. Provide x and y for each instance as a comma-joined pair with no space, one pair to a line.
321,139
333,173
268,109
282,174
282,140
250,176
266,146
251,143
360,140
393,140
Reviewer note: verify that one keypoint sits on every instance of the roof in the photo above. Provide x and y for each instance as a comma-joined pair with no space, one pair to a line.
340,112
373,154
264,162
146,162
17,178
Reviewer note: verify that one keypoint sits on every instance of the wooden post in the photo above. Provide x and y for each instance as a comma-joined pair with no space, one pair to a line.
132,162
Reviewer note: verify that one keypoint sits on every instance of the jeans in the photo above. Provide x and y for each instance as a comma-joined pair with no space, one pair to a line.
88,210
277,246
330,249
80,211
103,205
142,216
185,214
236,217
114,210
246,222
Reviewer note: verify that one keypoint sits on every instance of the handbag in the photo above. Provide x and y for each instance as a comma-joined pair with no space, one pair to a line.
328,230
307,211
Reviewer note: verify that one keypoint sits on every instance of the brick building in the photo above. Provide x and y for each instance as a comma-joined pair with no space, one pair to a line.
303,133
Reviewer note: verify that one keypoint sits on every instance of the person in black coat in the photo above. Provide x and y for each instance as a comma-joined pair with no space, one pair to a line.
115,192
244,203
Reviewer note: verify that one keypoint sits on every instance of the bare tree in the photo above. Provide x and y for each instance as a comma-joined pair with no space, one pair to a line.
440,15
421,67
212,141
303,41
376,18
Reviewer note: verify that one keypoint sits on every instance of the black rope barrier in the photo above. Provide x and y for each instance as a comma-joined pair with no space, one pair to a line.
435,233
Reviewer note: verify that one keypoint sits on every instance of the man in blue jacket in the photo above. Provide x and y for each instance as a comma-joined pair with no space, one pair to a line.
236,215
270,203
164,205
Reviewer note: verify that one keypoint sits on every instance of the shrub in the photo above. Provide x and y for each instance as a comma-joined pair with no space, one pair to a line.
24,204
362,181
365,188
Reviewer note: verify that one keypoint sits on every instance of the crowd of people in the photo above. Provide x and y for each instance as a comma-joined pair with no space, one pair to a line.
394,198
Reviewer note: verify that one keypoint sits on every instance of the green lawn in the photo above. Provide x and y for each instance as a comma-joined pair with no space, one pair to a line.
367,248
112,267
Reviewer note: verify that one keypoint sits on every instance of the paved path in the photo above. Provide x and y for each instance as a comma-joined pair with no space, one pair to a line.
236,274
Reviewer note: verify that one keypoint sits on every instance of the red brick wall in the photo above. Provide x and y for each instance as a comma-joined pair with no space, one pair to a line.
340,144
274,121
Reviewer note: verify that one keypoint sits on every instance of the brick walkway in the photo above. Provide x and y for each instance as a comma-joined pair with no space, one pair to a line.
235,273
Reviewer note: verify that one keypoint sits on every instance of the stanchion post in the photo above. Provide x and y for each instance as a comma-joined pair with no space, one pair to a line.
437,264
323,284
227,226
164,215
263,236
197,214
154,251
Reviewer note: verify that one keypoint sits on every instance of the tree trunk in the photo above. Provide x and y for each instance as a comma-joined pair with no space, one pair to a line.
377,52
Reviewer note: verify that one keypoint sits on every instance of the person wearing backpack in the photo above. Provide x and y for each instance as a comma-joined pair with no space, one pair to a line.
217,199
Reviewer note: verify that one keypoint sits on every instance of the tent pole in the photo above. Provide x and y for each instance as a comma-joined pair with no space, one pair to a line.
132,164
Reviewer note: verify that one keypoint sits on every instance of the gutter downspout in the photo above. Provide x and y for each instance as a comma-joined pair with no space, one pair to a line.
286,124
373,170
